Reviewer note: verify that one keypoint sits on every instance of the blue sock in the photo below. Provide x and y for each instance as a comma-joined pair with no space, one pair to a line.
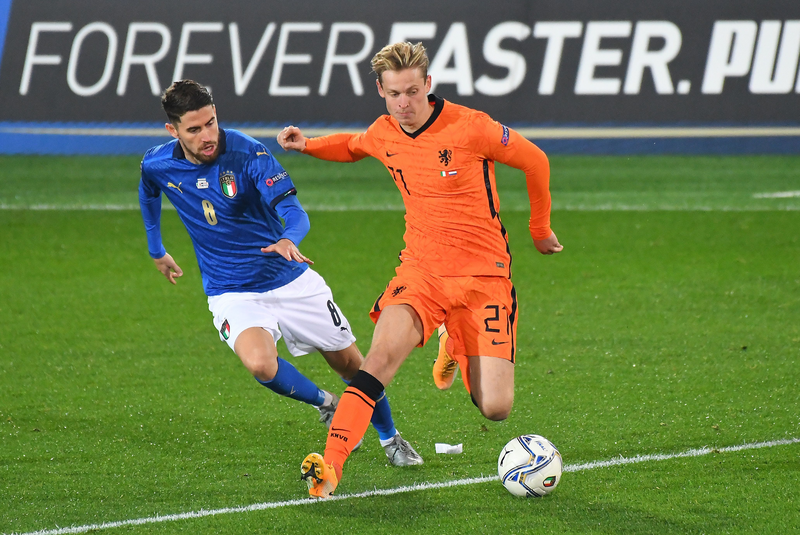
382,418
291,383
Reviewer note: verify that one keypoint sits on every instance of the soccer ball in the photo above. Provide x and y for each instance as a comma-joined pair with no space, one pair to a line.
529,465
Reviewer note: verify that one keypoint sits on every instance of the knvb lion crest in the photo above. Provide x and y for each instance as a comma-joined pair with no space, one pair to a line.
398,290
227,182
445,155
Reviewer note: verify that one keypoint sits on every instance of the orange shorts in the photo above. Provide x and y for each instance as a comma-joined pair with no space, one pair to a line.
480,313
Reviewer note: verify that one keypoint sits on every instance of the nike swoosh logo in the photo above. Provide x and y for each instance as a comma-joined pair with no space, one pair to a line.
496,343
390,154
340,429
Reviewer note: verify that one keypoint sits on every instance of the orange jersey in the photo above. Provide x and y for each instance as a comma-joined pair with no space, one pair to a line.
445,173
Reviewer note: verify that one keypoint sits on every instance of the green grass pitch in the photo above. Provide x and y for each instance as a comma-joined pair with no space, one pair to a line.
671,321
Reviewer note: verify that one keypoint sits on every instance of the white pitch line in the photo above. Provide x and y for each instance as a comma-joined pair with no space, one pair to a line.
312,207
79,207
411,488
777,195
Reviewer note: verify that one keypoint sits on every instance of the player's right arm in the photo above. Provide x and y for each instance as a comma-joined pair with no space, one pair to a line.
150,205
334,148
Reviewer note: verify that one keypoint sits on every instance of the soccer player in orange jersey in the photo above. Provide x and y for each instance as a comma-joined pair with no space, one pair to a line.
456,267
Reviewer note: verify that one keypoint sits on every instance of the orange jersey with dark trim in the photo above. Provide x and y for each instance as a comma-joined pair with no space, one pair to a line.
445,174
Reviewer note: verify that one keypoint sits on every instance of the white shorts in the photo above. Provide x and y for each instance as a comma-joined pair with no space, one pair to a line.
302,312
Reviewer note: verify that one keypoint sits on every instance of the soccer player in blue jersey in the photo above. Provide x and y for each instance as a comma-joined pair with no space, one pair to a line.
231,195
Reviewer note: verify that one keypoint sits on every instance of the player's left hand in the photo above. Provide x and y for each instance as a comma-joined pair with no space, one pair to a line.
288,250
548,245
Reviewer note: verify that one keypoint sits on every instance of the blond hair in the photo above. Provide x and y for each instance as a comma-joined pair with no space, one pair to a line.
398,57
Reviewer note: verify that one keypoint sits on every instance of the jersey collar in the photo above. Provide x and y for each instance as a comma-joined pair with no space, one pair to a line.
178,154
438,104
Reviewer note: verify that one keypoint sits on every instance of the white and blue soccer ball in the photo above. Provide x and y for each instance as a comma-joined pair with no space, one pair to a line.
529,465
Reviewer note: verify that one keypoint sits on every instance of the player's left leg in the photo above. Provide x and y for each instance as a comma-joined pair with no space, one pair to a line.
492,386
483,329
445,366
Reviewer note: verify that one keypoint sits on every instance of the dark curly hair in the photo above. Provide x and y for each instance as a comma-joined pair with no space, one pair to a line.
184,96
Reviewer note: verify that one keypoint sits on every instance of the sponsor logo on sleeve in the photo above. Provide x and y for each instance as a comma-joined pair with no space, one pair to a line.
504,139
277,178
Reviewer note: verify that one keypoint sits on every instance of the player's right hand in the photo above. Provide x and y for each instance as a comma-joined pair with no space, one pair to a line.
291,138
167,266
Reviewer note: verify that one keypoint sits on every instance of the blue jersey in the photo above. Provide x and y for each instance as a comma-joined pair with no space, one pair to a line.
231,210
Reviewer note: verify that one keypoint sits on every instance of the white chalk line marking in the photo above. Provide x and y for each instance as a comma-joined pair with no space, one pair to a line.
777,195
411,488
311,207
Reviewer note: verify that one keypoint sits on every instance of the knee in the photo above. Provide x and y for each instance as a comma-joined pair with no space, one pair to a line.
495,408
496,413
262,372
256,349
261,365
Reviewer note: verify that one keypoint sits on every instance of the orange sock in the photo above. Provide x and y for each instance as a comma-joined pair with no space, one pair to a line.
351,419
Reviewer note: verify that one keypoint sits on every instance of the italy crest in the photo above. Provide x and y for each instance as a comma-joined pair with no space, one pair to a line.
227,182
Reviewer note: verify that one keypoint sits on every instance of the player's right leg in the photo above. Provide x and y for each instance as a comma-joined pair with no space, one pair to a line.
398,331
400,453
250,330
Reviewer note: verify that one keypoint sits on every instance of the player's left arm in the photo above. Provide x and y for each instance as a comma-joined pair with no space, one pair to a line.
507,146
297,226
278,191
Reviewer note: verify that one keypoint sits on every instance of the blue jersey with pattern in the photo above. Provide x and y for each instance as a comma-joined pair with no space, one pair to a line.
228,208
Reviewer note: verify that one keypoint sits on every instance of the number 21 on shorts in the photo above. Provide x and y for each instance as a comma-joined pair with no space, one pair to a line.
493,321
